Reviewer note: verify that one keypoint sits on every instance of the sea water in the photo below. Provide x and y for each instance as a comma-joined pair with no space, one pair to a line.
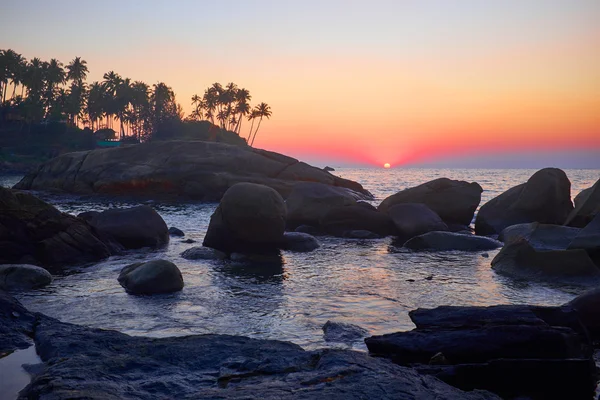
370,283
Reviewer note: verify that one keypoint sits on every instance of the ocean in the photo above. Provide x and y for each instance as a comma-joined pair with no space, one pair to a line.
371,283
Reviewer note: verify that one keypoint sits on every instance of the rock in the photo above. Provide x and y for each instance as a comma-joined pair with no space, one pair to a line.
454,201
540,236
298,241
340,332
360,234
311,230
203,253
188,241
100,364
512,350
544,198
309,202
328,169
250,218
443,241
415,219
152,277
587,306
366,205
16,325
587,206
23,277
350,218
132,228
175,170
34,232
588,238
176,232
258,260
519,259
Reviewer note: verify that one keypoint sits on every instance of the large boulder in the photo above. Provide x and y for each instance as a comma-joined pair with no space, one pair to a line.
519,259
587,306
454,201
443,241
540,236
587,206
249,218
544,198
152,277
132,228
415,219
34,232
176,170
23,277
308,203
339,220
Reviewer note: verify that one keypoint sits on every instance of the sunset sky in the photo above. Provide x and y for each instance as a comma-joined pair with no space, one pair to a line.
357,82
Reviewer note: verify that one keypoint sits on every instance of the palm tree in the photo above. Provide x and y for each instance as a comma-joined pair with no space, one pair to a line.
110,83
95,103
242,107
77,70
140,93
123,97
262,110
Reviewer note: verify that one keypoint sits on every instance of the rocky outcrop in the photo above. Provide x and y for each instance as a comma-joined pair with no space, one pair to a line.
415,219
132,228
511,350
519,259
175,170
34,232
444,241
308,203
540,236
544,198
249,218
101,364
338,221
587,206
152,277
454,201
23,277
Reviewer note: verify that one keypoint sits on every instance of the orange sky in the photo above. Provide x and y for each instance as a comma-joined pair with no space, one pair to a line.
402,82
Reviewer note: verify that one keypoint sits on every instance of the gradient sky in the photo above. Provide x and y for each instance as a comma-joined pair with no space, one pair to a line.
357,82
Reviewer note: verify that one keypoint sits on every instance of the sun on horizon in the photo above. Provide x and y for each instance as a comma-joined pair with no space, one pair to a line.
387,165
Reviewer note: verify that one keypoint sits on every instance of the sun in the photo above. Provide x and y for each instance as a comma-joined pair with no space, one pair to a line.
386,165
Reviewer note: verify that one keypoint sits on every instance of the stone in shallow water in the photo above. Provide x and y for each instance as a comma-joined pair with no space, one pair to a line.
23,277
341,332
152,277
445,241
298,241
203,253
176,232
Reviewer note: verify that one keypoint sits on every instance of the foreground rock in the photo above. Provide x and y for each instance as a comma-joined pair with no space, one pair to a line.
454,201
443,241
544,198
587,306
511,350
519,259
415,219
250,218
100,364
132,228
338,221
152,277
540,236
23,277
308,203
175,169
34,232
587,206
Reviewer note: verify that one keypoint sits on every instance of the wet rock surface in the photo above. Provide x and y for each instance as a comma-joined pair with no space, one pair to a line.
445,241
152,277
23,277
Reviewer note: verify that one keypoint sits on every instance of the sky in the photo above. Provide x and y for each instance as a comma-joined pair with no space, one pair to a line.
465,83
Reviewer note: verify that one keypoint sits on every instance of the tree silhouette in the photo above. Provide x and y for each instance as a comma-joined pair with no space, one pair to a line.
262,110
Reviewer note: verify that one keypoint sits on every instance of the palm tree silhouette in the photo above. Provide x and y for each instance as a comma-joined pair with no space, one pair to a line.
262,110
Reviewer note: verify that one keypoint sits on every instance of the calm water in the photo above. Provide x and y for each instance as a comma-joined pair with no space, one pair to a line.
364,282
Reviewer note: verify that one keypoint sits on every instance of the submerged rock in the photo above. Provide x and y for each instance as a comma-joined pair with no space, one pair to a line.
197,170
152,277
587,206
132,228
34,232
176,232
454,201
341,332
298,241
415,219
249,218
23,277
443,241
203,253
544,198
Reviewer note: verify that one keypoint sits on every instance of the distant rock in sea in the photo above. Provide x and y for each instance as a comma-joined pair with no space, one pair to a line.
328,169
192,170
